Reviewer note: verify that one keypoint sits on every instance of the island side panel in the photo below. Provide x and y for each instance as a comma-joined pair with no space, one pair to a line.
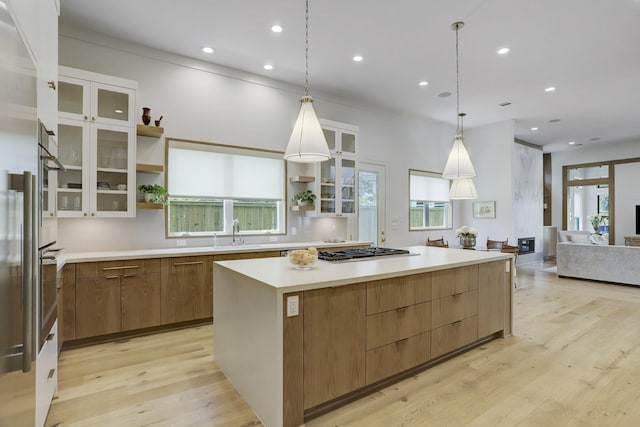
247,343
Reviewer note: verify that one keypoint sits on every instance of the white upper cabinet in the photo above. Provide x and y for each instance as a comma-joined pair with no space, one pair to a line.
96,145
337,179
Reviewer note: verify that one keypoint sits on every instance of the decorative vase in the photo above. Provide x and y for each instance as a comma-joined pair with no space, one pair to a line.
148,197
467,242
146,115
304,202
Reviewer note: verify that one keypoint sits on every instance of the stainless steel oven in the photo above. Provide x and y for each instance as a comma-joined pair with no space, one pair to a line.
48,280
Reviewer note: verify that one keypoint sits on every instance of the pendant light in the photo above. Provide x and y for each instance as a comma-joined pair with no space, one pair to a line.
307,143
458,164
462,188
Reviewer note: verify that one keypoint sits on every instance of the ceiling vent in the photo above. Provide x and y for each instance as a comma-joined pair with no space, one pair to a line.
504,104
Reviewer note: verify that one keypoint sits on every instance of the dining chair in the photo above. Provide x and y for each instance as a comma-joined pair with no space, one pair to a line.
496,244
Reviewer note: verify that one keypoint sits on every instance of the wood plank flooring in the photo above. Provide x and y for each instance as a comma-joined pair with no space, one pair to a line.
574,360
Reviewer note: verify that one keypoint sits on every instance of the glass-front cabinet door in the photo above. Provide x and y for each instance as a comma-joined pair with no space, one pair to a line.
73,181
112,170
112,104
337,187
73,98
347,186
328,187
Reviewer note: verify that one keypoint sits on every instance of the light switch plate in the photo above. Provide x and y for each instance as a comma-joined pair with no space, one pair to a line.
293,306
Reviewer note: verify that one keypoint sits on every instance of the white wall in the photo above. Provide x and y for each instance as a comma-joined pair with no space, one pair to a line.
205,102
627,197
625,189
490,148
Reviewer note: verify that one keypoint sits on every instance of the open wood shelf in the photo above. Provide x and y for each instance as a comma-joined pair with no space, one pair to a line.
142,205
152,131
149,168
301,179
297,208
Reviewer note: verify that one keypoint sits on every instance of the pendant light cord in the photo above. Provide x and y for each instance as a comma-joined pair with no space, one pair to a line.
457,79
306,64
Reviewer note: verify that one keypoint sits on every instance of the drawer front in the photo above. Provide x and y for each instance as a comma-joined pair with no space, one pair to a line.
390,294
391,326
454,281
399,356
453,336
453,308
118,267
46,375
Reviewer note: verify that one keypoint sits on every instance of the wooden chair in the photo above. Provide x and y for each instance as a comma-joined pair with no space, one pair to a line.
496,244
511,250
437,242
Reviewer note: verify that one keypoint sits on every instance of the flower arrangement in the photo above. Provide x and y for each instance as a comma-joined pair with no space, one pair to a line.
465,231
599,219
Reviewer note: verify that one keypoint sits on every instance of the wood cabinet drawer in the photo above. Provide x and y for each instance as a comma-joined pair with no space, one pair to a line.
453,336
398,356
391,326
119,267
398,292
452,308
246,255
454,281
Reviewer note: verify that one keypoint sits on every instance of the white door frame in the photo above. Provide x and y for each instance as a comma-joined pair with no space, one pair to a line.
381,171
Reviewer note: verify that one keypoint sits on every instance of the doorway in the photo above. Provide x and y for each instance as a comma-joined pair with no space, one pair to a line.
371,203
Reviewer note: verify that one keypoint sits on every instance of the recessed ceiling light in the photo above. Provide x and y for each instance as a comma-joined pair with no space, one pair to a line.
550,89
358,58
276,28
207,49
423,83
503,51
534,129
444,94
118,111
572,143
268,67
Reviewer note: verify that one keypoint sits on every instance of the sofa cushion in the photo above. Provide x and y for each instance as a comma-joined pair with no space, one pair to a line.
578,238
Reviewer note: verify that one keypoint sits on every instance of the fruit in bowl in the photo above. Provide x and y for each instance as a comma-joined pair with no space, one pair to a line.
303,259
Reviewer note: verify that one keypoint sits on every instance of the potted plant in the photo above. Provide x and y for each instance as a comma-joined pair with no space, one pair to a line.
304,198
154,193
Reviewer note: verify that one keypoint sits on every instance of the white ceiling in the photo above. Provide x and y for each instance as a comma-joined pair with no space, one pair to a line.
588,49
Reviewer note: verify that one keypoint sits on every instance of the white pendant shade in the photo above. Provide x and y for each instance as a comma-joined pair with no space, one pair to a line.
462,189
459,163
307,143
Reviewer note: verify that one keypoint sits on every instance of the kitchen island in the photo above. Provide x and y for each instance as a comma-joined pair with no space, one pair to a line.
297,343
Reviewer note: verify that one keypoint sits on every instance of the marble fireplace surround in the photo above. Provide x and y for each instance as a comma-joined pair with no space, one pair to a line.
607,263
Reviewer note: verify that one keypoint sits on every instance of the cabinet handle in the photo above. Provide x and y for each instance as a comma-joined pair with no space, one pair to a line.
86,118
84,213
126,276
51,373
51,84
188,263
401,309
120,268
457,322
457,295
111,277
93,118
51,214
402,340
50,337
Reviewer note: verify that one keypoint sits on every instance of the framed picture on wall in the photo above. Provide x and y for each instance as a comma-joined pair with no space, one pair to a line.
484,209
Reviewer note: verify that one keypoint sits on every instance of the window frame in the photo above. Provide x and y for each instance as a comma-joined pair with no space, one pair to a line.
228,203
448,203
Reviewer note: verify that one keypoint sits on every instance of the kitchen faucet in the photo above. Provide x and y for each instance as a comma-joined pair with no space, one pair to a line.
235,229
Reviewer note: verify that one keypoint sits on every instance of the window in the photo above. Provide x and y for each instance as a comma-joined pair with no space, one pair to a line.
211,185
429,204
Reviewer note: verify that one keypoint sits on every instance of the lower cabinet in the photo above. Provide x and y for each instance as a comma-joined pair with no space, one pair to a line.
140,296
333,342
187,288
358,335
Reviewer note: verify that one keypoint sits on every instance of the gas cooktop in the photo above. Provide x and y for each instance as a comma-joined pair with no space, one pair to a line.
355,254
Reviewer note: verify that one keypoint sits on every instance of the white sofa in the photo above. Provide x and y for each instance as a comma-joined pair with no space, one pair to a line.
608,263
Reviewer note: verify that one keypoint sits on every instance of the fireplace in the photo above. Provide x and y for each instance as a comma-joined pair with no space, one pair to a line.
526,245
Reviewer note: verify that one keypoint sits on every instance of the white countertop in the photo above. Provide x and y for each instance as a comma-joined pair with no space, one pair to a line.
280,274
72,257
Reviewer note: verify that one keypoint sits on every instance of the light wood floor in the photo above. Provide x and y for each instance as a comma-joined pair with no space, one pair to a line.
574,361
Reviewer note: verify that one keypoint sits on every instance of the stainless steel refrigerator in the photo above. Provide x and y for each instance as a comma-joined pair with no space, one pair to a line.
18,227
